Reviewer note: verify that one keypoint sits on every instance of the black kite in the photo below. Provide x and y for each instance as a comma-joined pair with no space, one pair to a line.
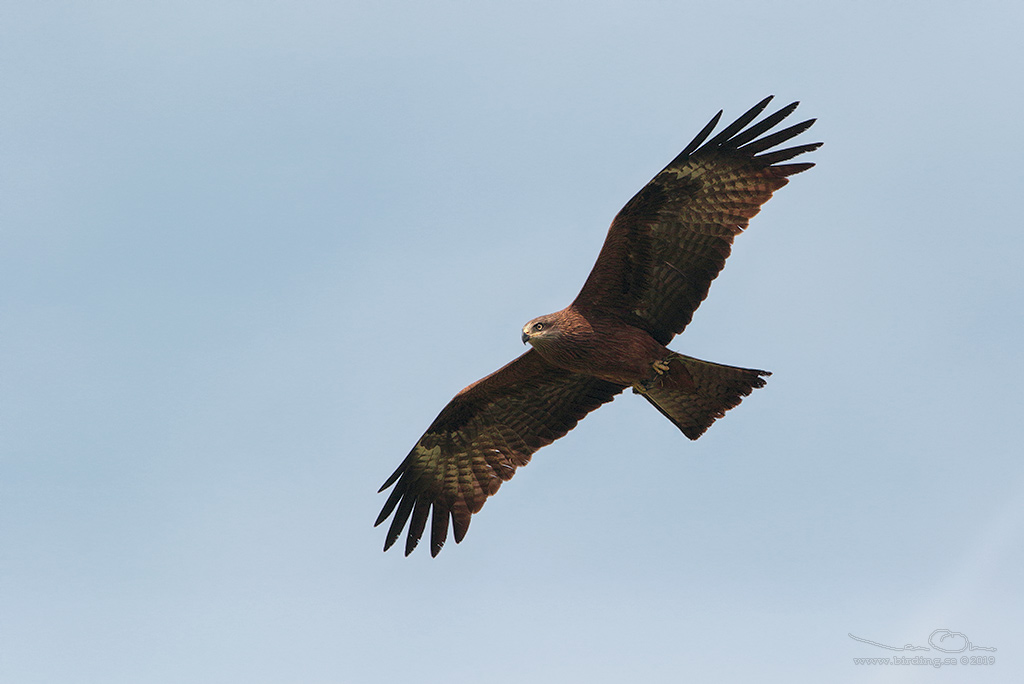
662,252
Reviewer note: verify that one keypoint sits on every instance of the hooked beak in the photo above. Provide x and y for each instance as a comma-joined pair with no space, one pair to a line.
526,337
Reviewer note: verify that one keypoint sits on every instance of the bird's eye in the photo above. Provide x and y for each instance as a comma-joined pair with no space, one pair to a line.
538,326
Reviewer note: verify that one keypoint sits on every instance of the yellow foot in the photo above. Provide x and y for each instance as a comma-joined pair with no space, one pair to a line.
660,367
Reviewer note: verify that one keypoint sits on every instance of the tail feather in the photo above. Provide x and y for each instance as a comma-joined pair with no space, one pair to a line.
693,394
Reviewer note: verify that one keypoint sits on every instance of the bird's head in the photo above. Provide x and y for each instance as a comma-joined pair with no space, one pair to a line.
540,330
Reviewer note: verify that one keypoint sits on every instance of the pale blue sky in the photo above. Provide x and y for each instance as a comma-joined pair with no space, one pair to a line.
248,250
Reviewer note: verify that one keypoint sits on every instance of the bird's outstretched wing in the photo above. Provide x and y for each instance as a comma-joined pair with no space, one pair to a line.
479,439
672,239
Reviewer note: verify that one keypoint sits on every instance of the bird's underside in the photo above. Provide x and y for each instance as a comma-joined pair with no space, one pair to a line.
660,255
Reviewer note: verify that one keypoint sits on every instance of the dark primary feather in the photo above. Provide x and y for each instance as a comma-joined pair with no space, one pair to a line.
479,439
672,238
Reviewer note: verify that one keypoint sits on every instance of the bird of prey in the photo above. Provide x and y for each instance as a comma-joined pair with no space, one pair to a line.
661,253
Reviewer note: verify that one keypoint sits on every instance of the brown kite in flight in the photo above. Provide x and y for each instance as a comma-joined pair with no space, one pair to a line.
662,252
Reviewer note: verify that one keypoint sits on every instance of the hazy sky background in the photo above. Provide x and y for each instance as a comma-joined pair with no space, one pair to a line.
248,250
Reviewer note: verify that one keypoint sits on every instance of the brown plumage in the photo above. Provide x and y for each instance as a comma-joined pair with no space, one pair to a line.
662,252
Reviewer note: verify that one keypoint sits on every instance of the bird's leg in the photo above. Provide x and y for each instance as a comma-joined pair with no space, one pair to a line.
660,367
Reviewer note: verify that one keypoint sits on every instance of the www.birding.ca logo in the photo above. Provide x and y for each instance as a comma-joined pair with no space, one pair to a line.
941,640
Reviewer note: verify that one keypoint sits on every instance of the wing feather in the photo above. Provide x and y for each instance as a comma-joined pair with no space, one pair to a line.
778,137
738,125
672,238
479,439
701,137
763,125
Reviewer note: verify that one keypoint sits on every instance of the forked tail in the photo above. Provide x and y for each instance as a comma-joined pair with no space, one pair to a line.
693,394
